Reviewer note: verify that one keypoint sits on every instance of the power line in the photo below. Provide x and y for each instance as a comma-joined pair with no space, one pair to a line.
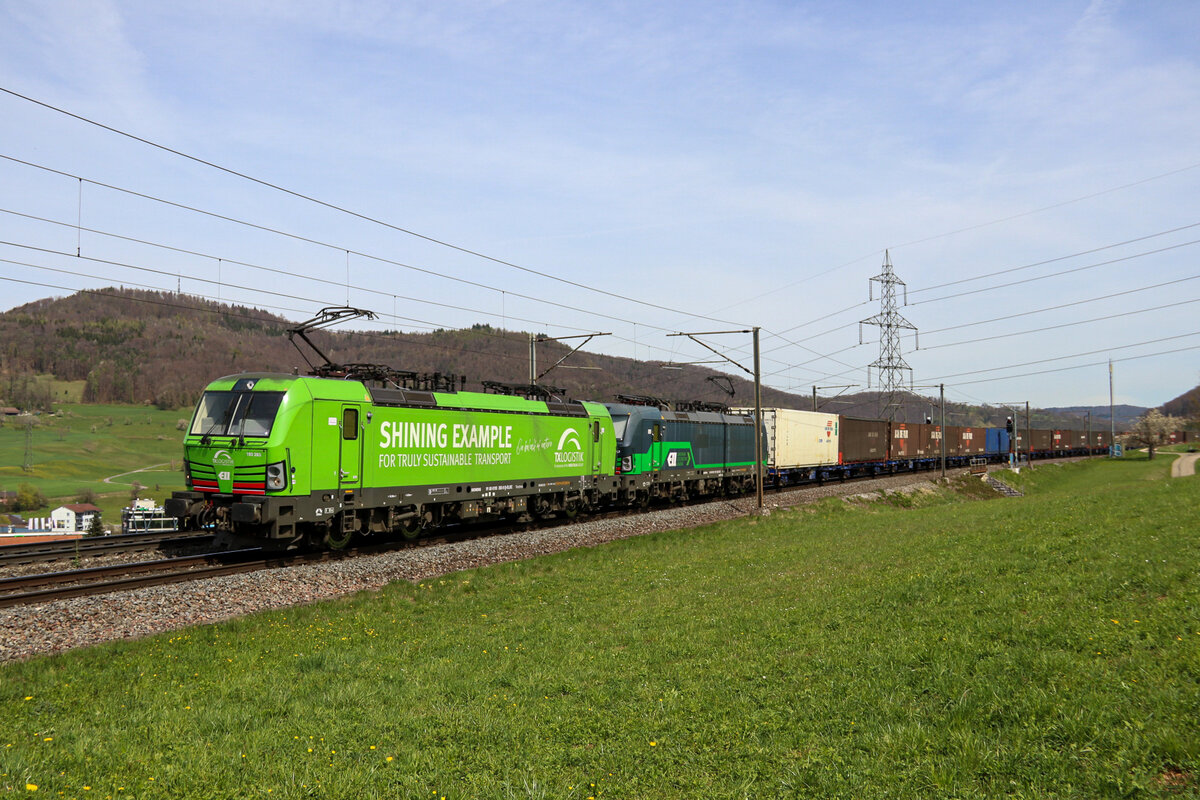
1051,207
978,226
356,214
1082,366
1060,273
1063,325
1058,258
1063,305
1062,358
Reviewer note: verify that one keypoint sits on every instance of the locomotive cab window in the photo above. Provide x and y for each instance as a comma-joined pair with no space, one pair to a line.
350,423
236,414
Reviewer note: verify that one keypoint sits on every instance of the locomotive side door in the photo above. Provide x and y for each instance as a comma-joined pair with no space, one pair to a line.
656,445
350,449
596,448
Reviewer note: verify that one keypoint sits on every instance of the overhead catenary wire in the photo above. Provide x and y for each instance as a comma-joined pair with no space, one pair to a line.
358,215
273,270
340,249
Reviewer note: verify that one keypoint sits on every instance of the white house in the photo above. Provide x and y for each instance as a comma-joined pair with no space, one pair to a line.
77,517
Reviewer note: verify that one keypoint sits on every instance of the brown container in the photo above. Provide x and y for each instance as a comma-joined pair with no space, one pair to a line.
863,440
1040,441
953,440
972,441
914,440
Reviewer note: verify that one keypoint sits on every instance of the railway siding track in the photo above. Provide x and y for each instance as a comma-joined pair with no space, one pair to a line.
20,554
44,587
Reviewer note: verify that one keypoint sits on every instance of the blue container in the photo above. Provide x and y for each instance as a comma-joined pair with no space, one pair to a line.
997,441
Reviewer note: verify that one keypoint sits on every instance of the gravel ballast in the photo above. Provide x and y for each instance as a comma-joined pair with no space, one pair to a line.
67,624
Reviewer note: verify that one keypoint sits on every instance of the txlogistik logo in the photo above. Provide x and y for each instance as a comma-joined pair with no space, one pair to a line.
570,449
222,458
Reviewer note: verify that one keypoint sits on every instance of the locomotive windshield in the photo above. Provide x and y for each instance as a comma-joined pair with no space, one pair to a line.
619,421
236,413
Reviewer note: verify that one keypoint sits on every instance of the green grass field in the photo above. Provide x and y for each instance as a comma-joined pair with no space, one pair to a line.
87,443
1045,646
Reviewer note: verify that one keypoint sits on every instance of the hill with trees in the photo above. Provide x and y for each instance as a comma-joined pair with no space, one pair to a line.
162,348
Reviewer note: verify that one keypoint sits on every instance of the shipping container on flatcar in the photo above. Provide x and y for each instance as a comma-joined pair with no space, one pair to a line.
798,439
998,443
914,441
973,441
1040,442
863,441
1060,442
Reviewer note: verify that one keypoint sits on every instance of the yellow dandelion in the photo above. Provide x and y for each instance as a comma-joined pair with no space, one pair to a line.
389,758
372,747
28,698
48,739
654,744
31,787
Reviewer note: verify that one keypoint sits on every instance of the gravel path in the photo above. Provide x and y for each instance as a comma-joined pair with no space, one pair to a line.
66,624
1184,466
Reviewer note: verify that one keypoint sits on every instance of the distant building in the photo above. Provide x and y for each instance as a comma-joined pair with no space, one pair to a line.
9,411
7,498
77,517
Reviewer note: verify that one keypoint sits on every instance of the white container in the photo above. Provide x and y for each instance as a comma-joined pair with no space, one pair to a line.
798,438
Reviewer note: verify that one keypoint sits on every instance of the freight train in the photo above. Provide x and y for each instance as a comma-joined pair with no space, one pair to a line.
288,460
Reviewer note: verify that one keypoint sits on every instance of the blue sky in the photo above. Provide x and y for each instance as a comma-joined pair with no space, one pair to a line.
712,165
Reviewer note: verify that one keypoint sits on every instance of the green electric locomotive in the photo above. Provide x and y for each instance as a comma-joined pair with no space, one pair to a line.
294,460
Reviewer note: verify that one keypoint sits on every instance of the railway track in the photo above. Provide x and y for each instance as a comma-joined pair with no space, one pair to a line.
40,552
48,586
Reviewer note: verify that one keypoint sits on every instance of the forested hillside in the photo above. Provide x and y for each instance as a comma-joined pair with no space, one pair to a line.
149,347
132,346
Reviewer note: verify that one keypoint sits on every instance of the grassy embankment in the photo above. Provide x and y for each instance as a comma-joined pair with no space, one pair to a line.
89,443
1045,646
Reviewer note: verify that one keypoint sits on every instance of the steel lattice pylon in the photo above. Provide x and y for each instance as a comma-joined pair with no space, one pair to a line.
890,365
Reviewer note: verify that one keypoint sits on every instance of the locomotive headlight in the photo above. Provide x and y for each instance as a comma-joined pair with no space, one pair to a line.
276,476
627,464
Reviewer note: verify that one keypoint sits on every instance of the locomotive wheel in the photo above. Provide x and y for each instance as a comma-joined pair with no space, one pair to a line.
411,528
337,540
571,509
